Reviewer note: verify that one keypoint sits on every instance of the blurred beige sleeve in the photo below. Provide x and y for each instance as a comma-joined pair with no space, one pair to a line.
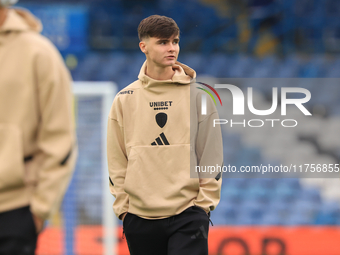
117,161
56,139
209,151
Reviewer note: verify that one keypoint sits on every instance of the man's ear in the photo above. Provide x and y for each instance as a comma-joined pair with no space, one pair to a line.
143,47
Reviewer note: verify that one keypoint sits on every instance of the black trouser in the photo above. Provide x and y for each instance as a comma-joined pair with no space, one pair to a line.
17,232
186,233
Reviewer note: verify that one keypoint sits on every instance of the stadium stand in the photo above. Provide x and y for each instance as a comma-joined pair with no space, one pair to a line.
210,45
249,148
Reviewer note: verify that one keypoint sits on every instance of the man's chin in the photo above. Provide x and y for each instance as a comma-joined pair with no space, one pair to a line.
167,63
170,63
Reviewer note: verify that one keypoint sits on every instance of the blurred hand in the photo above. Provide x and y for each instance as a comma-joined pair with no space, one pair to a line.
39,223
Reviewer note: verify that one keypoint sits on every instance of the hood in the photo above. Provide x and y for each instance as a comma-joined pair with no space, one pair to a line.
183,75
21,20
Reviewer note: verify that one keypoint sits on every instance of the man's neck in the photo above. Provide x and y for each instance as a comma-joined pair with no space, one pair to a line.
3,15
158,72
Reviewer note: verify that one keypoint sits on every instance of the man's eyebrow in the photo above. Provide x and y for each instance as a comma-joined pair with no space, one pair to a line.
176,40
162,40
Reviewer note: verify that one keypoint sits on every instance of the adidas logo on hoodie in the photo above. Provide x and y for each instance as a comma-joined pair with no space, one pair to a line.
161,119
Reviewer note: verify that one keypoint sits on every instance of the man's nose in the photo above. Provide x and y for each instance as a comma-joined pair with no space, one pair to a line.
171,47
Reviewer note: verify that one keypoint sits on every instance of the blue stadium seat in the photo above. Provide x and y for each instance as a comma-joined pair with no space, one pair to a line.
332,8
305,8
279,206
112,67
309,194
254,209
329,214
305,207
249,156
232,192
292,183
125,80
257,193
326,219
241,67
316,67
298,219
244,218
265,68
217,65
134,64
267,183
193,60
225,214
289,67
240,183
231,146
90,65
284,193
333,70
271,218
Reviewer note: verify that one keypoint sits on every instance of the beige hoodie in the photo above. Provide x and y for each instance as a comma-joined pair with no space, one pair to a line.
156,137
37,139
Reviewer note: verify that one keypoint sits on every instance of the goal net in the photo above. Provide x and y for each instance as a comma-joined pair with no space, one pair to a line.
85,224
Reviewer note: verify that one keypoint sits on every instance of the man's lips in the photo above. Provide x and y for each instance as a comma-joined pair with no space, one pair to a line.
171,57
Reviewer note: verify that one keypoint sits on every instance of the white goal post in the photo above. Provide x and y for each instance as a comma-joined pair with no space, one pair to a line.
106,90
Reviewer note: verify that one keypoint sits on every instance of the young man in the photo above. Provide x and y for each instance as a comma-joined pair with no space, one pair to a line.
156,137
37,138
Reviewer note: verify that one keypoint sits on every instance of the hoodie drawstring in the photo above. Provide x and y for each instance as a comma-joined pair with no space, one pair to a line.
212,224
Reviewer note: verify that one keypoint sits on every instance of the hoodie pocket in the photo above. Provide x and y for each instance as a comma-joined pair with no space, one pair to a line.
158,178
11,157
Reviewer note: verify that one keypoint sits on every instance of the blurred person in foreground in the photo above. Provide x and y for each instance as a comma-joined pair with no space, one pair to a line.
156,136
37,138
